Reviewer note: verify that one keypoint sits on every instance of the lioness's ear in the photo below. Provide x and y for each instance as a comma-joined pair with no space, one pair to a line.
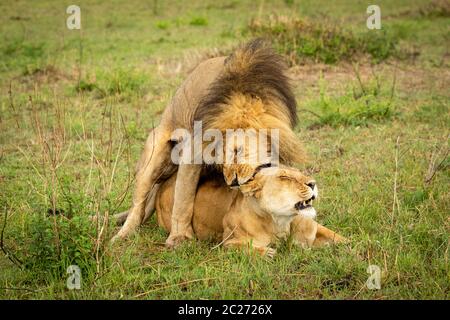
252,188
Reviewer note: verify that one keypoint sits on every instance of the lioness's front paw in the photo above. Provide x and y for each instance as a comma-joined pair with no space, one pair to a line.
270,253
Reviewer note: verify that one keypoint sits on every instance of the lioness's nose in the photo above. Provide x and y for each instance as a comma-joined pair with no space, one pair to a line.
235,182
311,184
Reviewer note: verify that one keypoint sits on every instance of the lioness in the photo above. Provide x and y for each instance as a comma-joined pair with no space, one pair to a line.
248,89
275,203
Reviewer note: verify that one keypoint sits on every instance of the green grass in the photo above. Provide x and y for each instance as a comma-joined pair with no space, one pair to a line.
374,118
304,39
361,105
198,21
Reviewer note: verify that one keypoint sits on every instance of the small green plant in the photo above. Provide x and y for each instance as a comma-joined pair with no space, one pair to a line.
123,82
29,50
85,86
380,45
56,242
20,54
198,21
163,25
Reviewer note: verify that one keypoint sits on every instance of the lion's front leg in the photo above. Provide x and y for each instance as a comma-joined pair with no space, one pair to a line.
325,236
236,237
183,207
303,231
308,233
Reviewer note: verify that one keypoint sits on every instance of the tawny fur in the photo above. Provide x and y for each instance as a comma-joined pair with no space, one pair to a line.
252,81
242,218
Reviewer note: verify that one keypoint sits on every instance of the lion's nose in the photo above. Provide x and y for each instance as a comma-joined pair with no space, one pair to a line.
234,183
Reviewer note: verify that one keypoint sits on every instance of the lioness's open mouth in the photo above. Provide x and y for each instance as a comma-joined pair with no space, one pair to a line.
305,208
301,205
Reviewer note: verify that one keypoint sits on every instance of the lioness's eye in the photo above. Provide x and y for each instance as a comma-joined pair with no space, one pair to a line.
287,178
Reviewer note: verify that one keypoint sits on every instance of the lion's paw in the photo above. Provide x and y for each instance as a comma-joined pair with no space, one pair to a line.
116,239
174,240
270,253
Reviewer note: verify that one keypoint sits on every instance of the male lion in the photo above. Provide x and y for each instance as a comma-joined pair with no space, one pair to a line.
275,203
247,90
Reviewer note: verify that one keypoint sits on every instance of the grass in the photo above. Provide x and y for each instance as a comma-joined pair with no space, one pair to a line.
304,39
361,105
373,120
198,21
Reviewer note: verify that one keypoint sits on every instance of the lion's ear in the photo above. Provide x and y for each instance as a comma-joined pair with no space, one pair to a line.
252,188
